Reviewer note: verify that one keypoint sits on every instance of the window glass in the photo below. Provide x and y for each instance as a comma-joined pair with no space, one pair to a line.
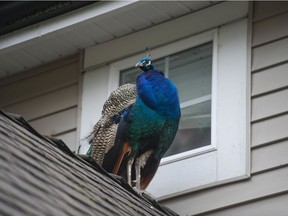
191,72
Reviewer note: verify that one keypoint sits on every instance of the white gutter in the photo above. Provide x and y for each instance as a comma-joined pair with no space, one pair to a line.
12,40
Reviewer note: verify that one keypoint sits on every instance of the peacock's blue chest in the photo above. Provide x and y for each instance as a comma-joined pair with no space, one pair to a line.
156,105
158,93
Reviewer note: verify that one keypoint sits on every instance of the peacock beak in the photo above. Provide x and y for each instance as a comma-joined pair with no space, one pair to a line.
139,64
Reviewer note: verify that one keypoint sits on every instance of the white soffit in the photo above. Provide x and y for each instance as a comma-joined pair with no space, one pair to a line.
69,33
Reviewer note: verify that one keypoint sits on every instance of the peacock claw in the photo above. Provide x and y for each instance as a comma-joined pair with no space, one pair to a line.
144,193
149,195
138,191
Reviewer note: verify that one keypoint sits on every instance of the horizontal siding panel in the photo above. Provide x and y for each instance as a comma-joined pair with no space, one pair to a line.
57,123
269,105
39,84
264,9
270,156
259,186
69,139
270,130
41,69
265,207
270,29
270,54
46,104
270,79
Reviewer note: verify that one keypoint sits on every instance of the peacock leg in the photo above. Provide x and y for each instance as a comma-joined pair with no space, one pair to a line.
140,163
129,167
138,174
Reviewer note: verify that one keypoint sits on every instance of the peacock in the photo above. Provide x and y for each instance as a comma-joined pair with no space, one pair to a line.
137,126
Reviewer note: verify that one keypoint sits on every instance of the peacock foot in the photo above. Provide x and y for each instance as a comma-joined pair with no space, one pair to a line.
144,193
138,191
148,195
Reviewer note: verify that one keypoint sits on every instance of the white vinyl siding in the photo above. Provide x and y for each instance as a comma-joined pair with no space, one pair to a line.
228,197
266,192
227,157
47,97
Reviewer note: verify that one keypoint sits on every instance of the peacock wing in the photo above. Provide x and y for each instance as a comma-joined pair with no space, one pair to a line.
104,132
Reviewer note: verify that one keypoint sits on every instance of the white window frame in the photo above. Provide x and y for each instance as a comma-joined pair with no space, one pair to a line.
226,159
181,45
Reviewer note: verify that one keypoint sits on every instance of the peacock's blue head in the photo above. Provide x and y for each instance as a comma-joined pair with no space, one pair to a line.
145,64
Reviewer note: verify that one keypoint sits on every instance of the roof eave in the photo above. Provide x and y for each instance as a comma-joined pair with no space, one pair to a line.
61,23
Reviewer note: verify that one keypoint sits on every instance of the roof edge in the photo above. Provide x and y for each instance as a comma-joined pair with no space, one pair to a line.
18,15
14,39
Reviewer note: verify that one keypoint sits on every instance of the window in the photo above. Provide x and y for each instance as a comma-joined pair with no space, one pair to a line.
212,145
191,72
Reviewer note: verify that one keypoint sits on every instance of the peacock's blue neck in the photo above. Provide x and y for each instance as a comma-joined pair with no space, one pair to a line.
158,93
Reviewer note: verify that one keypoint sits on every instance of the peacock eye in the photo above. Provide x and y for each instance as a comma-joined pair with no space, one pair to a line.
147,62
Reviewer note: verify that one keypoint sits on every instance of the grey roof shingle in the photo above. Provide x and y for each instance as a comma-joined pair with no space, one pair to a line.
41,176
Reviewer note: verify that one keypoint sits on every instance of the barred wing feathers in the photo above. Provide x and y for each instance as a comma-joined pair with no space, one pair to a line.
104,132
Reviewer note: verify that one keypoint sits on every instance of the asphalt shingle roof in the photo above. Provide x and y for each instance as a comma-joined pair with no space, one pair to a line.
41,176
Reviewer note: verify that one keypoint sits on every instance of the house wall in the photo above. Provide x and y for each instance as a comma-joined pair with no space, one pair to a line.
266,192
47,97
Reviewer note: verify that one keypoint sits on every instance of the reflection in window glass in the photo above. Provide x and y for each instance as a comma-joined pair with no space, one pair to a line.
191,72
